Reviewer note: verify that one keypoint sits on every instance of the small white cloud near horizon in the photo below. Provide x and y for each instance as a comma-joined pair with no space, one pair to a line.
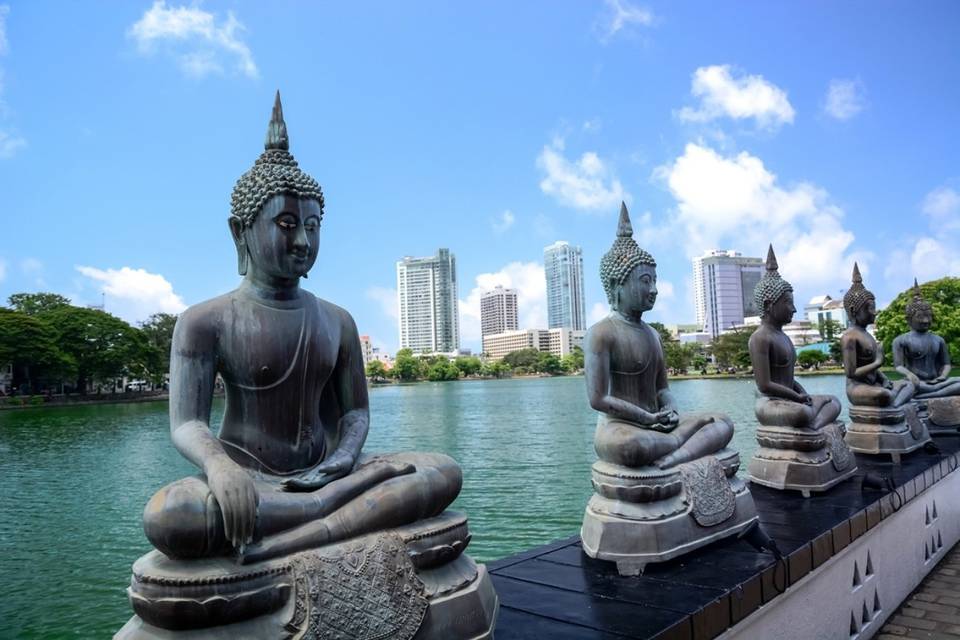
503,222
194,37
620,16
845,98
587,184
598,311
531,285
745,97
387,298
3,269
134,294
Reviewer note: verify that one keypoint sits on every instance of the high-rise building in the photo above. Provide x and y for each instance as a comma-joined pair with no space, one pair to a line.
563,267
427,291
723,283
498,311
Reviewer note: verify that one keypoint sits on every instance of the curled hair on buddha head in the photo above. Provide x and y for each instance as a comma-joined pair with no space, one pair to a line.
857,295
771,285
622,258
917,304
274,173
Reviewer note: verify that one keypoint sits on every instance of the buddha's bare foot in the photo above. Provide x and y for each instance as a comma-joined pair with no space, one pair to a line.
307,536
679,456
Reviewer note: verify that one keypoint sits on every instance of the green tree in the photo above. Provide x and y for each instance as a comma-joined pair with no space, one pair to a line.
944,296
29,344
678,356
811,358
830,330
36,303
376,370
405,366
101,345
523,359
548,363
442,369
468,365
494,370
730,349
665,335
158,330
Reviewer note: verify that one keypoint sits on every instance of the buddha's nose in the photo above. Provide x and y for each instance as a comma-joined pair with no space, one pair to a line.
301,243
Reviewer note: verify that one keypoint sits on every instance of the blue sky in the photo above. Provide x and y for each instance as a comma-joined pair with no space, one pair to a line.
492,128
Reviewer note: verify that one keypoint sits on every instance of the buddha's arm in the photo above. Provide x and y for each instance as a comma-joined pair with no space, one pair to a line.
350,385
849,349
760,359
900,361
668,406
192,376
597,367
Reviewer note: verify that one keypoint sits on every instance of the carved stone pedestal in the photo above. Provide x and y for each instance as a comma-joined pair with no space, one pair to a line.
941,416
405,583
801,459
643,515
886,430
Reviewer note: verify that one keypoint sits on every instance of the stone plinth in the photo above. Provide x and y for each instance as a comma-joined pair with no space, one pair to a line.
410,582
804,460
642,515
886,430
940,415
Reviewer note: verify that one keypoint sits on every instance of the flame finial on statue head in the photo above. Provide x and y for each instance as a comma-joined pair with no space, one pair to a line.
917,304
274,173
771,285
857,295
623,256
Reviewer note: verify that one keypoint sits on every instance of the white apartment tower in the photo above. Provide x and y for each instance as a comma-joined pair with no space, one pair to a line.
723,283
427,293
563,267
498,311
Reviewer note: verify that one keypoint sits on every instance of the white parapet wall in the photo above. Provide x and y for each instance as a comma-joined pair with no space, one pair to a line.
851,595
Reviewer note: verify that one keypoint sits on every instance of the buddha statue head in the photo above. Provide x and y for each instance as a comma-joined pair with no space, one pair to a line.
628,273
919,312
859,302
275,210
773,295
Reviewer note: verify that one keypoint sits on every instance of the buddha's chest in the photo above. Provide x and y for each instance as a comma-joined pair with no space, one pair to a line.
638,351
264,348
919,347
782,353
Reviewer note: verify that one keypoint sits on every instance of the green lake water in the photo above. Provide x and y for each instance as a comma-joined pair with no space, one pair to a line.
73,481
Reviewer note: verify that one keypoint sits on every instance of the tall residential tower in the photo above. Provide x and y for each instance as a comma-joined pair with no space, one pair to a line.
723,283
498,311
427,292
563,267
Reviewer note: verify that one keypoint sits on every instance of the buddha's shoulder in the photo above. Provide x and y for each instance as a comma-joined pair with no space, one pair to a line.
333,311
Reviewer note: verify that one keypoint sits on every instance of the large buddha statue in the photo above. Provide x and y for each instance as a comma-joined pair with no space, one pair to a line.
800,438
289,530
882,420
665,483
924,358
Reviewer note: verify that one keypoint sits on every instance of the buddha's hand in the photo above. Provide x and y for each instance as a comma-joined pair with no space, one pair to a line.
805,398
888,384
333,468
668,416
237,496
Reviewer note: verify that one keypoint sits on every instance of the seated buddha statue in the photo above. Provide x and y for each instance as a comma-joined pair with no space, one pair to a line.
924,359
801,441
647,449
863,357
882,418
285,472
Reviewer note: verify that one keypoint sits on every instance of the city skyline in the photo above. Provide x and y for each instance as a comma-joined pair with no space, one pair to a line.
123,131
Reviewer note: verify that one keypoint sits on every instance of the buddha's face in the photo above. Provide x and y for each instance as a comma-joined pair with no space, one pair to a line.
921,320
782,310
282,242
867,313
638,293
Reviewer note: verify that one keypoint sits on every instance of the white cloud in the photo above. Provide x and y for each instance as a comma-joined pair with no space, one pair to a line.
722,95
592,126
665,290
620,15
10,141
3,270
529,281
932,258
4,44
504,221
387,298
943,206
597,312
736,202
194,37
845,98
586,184
135,294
